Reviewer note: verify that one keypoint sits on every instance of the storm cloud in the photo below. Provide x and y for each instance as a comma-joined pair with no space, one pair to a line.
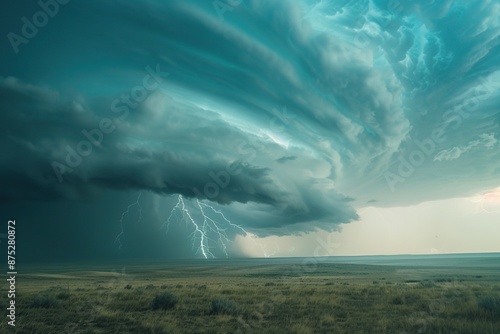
290,115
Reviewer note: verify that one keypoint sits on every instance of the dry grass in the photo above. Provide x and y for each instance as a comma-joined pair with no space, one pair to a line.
264,299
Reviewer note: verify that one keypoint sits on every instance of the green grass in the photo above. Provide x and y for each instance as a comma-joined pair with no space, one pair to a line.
220,298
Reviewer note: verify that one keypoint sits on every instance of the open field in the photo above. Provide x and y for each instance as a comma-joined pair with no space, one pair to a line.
252,296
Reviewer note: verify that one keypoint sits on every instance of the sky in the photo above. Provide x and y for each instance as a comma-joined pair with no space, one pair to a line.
228,128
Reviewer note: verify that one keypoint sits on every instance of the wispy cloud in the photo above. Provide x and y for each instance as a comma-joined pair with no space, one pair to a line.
485,140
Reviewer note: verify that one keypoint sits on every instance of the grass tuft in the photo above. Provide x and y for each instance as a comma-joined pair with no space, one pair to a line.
224,306
63,295
43,302
490,304
164,301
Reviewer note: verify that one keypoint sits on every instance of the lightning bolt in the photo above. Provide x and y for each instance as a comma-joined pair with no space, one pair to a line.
209,226
126,213
198,233
209,230
262,247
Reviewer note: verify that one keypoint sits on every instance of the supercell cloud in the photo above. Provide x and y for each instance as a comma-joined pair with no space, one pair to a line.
289,115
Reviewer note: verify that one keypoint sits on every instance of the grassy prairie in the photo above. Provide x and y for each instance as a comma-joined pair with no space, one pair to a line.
241,297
